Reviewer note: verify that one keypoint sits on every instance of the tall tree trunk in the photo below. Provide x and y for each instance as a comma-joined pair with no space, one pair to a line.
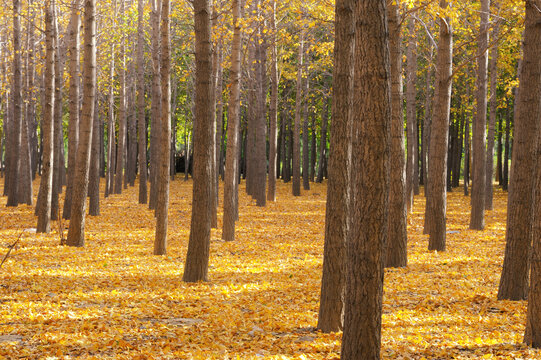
73,125
76,229
493,104
338,194
427,121
156,103
162,204
260,145
467,148
233,128
396,252
507,149
297,127
439,133
305,127
477,219
196,266
532,72
111,149
122,121
47,128
499,167
141,122
94,169
16,123
131,157
411,110
520,206
273,108
365,249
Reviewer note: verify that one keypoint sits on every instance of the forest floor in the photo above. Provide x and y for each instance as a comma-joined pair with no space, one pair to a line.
114,299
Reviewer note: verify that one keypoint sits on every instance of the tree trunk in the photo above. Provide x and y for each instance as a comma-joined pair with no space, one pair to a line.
141,122
493,67
365,250
111,153
520,215
477,219
305,135
16,123
155,104
396,252
338,194
94,169
162,196
122,121
297,127
196,266
323,143
73,125
507,150
273,108
427,121
82,163
233,127
439,136
411,109
47,129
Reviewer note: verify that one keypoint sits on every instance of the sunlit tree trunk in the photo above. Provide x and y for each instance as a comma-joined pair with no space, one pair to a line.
273,107
162,196
336,217
76,229
17,119
47,129
371,123
396,254
477,219
122,121
197,258
439,135
411,111
94,169
520,206
493,105
141,122
233,128
111,149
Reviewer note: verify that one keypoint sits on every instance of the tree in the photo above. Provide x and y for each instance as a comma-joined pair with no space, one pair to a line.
273,107
336,216
520,206
436,203
76,229
530,108
122,121
162,204
297,126
141,106
73,126
16,125
411,109
396,254
233,128
371,121
47,129
196,266
477,220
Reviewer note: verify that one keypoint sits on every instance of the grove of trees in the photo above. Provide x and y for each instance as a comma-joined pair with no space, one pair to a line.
375,98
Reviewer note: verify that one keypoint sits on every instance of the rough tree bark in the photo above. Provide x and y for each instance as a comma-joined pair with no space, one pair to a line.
196,266
141,122
477,219
439,136
162,196
336,216
233,128
396,254
411,111
520,215
122,121
365,249
273,107
47,129
296,184
76,229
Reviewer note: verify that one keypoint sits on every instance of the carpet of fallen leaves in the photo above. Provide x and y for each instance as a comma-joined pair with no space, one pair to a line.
114,299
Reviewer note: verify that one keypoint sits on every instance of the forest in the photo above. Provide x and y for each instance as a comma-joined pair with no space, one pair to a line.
245,179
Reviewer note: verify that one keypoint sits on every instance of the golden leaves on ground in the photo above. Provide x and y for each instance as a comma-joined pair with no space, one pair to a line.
113,299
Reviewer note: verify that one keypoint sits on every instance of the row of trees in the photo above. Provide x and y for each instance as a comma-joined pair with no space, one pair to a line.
254,103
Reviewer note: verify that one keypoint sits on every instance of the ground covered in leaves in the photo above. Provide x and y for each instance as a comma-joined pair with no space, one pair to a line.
114,299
